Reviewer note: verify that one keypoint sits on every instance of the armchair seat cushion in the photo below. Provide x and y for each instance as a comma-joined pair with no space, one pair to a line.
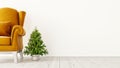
5,40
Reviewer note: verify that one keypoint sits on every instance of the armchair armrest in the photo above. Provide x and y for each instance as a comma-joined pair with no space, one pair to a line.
16,36
17,30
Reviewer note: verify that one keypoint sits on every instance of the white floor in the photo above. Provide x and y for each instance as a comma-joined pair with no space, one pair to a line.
62,62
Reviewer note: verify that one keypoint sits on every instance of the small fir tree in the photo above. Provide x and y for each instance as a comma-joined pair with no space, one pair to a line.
35,45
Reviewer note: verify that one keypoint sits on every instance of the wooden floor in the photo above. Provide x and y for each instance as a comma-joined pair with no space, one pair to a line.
62,62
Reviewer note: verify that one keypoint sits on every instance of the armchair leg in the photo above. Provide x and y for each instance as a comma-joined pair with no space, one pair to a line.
21,56
15,57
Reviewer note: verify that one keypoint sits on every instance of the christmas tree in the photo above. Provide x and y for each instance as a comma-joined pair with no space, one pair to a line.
36,45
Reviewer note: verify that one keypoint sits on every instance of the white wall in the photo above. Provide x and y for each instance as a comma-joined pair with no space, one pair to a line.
73,27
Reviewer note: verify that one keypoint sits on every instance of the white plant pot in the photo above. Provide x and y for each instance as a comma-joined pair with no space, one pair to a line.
35,57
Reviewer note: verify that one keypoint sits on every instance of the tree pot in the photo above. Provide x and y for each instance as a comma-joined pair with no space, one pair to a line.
35,57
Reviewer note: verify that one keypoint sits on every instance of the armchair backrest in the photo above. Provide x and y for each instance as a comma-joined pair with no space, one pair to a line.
12,15
9,14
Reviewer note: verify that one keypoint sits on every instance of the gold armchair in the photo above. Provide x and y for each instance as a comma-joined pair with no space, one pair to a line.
11,31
